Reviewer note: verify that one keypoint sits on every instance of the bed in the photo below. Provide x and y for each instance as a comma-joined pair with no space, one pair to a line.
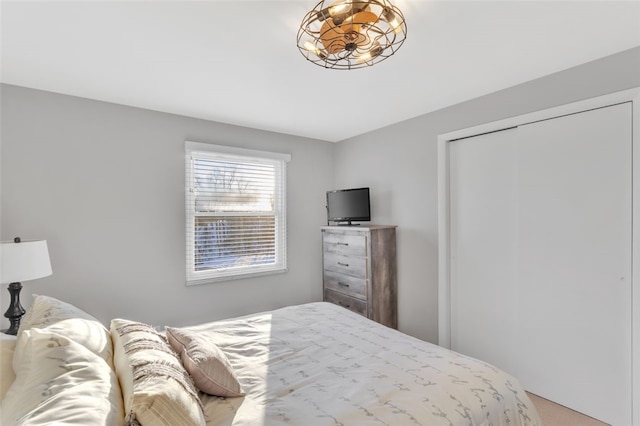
312,364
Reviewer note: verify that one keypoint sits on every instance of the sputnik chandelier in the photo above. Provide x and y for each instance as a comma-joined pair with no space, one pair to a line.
350,34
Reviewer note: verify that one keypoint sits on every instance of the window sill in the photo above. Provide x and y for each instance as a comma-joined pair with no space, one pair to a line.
233,277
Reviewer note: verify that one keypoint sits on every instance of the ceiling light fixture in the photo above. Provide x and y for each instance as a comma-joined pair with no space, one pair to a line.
350,34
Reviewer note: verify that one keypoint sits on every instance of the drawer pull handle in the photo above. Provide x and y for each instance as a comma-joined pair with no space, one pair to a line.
343,244
343,264
343,305
340,283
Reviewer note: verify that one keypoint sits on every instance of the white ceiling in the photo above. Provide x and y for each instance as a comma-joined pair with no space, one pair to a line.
237,61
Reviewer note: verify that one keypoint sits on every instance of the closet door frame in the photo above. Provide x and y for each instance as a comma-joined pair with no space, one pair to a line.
444,266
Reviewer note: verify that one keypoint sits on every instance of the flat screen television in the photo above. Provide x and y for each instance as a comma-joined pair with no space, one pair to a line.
345,206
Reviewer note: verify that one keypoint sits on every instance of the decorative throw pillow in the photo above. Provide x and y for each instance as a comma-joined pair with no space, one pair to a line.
206,363
157,390
47,313
59,381
7,376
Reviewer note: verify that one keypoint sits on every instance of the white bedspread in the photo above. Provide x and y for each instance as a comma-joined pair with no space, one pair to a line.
319,364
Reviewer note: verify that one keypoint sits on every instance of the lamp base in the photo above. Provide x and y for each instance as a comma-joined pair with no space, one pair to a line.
15,311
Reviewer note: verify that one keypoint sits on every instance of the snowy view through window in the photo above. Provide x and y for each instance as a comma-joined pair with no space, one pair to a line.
234,214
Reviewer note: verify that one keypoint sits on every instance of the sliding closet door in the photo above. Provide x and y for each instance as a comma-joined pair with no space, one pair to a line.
483,208
574,250
540,256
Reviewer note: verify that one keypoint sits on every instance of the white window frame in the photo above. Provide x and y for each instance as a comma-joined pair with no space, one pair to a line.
280,160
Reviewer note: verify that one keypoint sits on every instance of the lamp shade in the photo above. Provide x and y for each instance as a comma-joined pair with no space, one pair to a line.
24,261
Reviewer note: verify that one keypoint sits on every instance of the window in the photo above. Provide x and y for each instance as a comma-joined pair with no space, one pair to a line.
235,208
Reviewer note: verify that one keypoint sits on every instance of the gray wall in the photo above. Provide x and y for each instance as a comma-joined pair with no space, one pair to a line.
399,163
104,184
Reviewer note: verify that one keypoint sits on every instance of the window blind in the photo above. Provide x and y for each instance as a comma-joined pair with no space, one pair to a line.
235,208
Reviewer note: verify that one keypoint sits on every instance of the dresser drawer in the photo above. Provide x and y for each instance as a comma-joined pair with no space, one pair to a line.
355,305
353,266
352,286
348,245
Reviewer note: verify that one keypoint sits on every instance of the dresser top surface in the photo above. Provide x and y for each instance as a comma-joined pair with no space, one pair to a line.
357,227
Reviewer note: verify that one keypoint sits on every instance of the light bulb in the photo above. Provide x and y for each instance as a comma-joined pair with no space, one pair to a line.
396,26
375,50
339,7
365,57
335,11
309,46
392,19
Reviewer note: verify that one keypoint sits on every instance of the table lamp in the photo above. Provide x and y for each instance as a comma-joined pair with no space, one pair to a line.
21,261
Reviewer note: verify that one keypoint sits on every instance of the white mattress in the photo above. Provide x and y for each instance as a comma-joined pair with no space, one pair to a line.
319,364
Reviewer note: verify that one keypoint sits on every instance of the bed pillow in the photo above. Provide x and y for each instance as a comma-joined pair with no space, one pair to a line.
48,313
157,390
7,376
207,364
59,381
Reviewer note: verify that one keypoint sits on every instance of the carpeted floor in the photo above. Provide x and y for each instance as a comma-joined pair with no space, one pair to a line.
553,414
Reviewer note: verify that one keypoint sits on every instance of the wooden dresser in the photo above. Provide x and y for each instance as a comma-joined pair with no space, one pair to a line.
360,270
